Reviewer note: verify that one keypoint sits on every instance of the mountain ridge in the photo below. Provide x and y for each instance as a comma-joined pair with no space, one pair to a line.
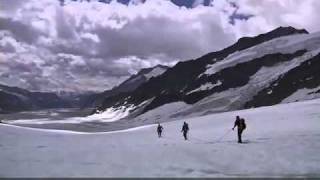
13,99
275,49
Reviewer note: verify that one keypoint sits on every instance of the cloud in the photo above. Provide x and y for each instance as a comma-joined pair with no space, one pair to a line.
84,45
269,14
91,46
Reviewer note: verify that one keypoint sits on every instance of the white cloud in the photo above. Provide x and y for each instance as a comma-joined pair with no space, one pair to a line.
269,14
83,42
92,46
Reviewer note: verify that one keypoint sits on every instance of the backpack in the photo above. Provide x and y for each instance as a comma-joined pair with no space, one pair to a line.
243,124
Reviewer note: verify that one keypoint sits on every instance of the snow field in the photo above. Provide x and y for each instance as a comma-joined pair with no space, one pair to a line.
280,141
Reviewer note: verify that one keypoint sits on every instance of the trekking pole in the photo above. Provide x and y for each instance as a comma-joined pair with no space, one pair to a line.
219,139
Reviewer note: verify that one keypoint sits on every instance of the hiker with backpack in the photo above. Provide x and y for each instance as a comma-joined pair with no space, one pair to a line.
159,130
185,129
240,123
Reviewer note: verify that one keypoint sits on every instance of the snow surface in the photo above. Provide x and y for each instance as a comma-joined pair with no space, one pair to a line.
280,141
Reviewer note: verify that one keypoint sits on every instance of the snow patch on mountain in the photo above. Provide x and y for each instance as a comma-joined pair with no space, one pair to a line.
218,102
153,72
157,71
134,80
206,86
303,94
162,113
112,114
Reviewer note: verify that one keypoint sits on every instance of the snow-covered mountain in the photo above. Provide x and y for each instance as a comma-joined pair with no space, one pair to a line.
128,85
14,99
276,67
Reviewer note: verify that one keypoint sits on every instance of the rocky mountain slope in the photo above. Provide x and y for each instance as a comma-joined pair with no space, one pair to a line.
275,67
128,85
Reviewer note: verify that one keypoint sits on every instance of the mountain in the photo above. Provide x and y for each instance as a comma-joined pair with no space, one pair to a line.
76,99
141,77
128,85
14,99
276,67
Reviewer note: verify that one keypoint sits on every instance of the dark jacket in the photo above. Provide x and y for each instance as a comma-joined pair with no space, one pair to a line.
240,123
185,127
160,128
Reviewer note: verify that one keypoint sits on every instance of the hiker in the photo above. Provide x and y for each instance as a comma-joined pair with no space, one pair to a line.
185,129
159,130
240,123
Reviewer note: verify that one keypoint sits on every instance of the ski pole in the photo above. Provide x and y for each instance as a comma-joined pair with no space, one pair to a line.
219,139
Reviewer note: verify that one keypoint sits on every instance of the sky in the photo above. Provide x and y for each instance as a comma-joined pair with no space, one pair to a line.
93,45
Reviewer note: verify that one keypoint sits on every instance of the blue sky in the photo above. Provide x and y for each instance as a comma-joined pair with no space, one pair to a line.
90,45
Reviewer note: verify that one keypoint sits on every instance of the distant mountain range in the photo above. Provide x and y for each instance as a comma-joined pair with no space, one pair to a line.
128,85
276,67
14,99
